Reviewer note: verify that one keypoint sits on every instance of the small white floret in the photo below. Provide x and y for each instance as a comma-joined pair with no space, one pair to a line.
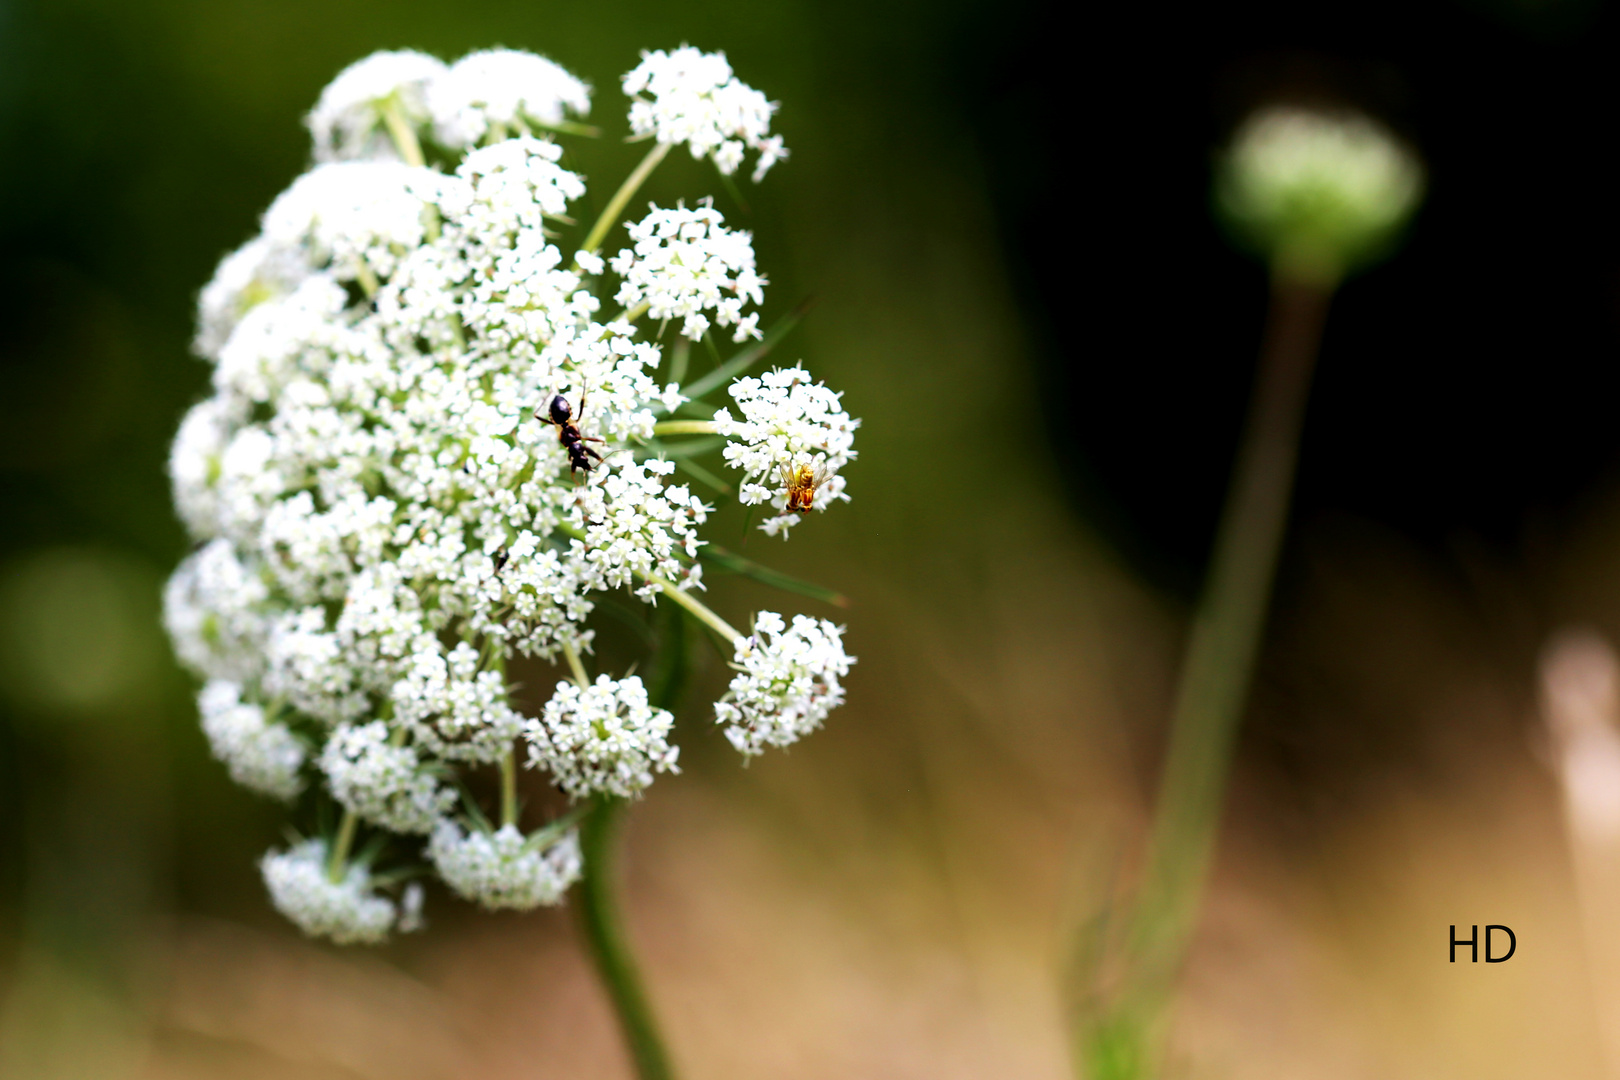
786,684
502,869
497,93
605,738
262,756
347,911
689,96
684,263
382,780
348,122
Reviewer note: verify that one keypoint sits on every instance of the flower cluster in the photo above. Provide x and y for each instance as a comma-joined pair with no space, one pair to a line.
787,423
786,683
602,738
387,512
685,262
688,96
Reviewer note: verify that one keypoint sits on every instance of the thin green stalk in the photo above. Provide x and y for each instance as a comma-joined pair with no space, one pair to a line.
616,205
604,933
1120,1031
509,812
685,427
576,666
340,847
401,132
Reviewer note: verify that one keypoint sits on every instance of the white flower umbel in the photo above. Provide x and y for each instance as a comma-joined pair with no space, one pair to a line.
786,422
604,738
502,869
382,780
786,684
262,756
347,911
688,96
501,92
352,120
388,510
686,262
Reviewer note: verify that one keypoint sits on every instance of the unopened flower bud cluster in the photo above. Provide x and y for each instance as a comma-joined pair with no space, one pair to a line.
384,515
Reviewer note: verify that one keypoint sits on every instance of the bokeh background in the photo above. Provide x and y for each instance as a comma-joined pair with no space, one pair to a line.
1002,212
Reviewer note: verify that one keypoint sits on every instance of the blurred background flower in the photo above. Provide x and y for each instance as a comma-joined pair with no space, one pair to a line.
1021,288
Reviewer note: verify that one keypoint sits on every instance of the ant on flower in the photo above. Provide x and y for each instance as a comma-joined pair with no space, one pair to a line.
568,433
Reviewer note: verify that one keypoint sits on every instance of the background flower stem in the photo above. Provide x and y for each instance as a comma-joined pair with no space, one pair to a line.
1129,982
604,935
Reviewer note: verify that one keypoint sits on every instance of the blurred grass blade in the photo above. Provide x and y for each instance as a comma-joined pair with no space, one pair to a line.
749,356
733,563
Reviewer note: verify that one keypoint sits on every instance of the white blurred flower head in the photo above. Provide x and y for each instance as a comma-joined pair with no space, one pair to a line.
1319,192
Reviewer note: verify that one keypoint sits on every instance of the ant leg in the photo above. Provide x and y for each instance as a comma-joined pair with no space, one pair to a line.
593,453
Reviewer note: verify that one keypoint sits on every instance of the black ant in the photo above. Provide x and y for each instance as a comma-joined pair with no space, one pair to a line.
568,433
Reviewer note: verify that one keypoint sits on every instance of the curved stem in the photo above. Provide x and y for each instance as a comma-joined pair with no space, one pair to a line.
615,206
685,427
600,919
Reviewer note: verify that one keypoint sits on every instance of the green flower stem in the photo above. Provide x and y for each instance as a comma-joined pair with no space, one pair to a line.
401,132
576,666
616,205
685,427
340,847
599,916
1121,1031
695,606
509,812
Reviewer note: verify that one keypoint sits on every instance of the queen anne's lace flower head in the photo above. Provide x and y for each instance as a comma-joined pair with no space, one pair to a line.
688,96
501,92
786,683
387,514
605,738
347,911
503,869
686,262
351,119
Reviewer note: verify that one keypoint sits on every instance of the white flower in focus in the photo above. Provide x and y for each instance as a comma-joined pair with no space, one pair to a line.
347,122
253,273
686,262
346,911
785,422
689,96
381,781
1319,192
501,92
502,869
787,682
263,757
605,738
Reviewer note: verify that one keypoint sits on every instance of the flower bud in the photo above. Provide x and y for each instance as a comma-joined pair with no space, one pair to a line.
1318,194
